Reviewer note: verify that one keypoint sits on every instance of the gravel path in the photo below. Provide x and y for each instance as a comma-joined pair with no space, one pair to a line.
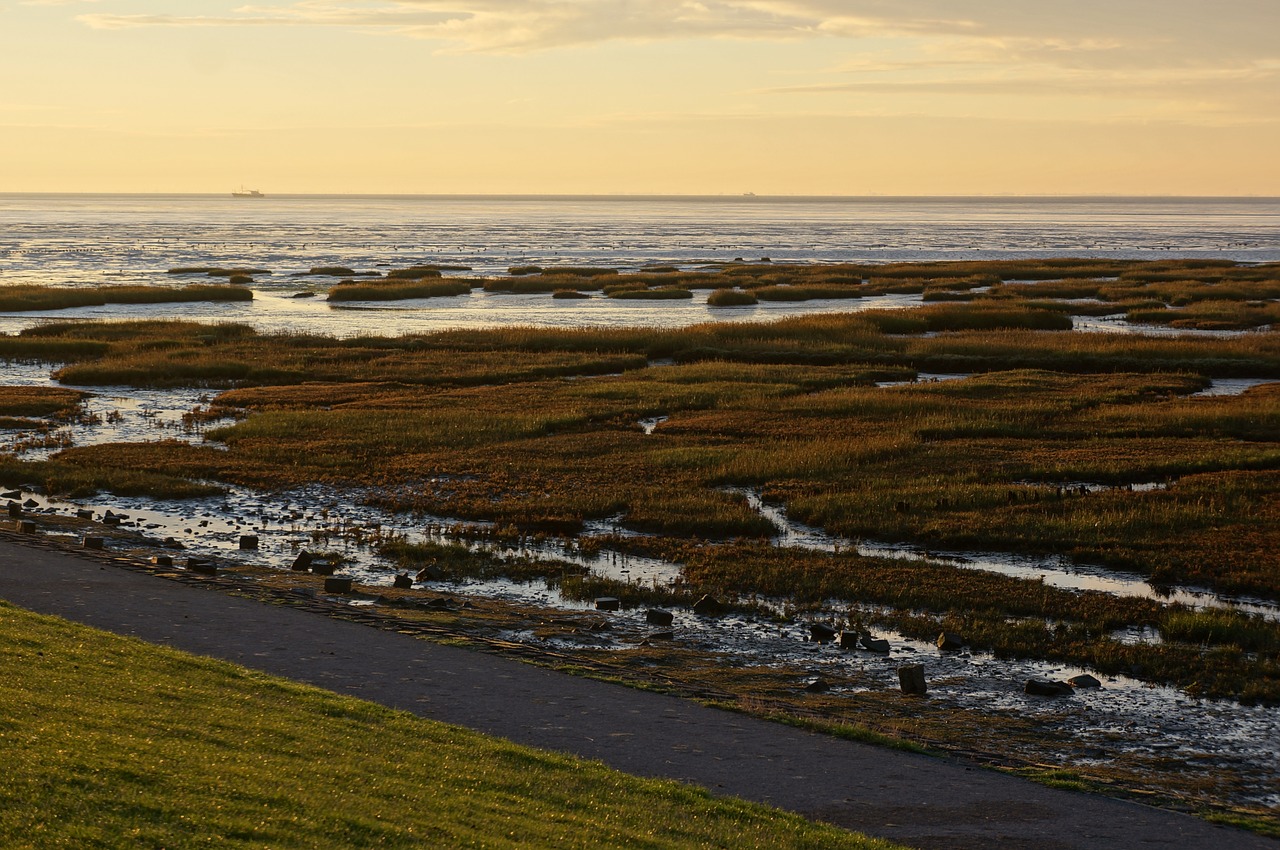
920,801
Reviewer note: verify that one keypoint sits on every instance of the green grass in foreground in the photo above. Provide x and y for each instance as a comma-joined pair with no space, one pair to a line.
180,751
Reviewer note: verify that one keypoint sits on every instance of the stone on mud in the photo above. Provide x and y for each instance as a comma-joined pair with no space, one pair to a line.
608,603
950,641
708,606
1047,688
302,563
248,541
658,617
821,632
875,644
848,639
911,679
403,581
1084,680
337,584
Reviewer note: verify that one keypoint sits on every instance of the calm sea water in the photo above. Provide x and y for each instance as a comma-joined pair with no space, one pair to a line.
97,239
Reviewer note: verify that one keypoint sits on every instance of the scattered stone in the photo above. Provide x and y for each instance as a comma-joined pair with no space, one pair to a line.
198,565
875,644
11,494
608,603
1084,680
430,572
658,617
302,563
708,606
951,642
818,686
31,503
337,584
402,581
93,543
171,543
1047,688
26,526
15,510
848,640
323,568
162,560
821,632
911,679
248,542
84,513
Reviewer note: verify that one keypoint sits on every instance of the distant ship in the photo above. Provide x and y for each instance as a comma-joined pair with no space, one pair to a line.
247,193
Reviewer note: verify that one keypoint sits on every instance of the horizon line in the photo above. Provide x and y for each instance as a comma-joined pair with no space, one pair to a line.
649,196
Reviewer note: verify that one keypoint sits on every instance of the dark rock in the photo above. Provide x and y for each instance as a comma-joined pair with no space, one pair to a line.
608,603
708,606
11,494
248,541
171,543
31,503
15,510
658,617
162,560
197,565
430,573
818,686
302,563
323,568
821,632
848,640
110,519
403,581
1047,688
1084,680
92,543
875,644
26,526
84,513
950,642
662,636
337,584
440,604
911,679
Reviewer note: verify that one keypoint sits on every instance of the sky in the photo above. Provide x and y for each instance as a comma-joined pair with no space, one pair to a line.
809,97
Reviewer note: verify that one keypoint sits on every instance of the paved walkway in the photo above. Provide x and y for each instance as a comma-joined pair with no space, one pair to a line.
920,801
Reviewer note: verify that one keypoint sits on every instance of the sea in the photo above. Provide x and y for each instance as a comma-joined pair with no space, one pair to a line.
89,240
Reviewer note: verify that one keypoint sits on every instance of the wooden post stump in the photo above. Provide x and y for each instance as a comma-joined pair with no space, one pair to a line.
93,542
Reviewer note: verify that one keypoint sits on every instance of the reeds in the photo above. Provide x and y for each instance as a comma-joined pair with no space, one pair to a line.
27,297
419,287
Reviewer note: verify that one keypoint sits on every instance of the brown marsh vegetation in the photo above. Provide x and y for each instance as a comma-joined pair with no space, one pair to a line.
485,425
22,297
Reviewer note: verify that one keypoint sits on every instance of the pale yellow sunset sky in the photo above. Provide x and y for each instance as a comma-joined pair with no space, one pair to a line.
839,97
